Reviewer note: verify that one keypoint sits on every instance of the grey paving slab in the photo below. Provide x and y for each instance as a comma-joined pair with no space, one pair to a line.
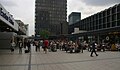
80,61
13,61
59,60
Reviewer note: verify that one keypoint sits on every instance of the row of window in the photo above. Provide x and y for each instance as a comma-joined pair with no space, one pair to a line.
109,12
51,8
103,20
51,1
99,26
107,18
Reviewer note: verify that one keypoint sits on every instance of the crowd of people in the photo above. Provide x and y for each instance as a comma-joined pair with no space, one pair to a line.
63,45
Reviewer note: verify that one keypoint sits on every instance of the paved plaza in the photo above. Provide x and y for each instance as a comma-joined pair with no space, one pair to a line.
59,60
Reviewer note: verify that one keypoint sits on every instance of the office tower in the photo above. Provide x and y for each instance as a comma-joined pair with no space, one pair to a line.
49,15
74,17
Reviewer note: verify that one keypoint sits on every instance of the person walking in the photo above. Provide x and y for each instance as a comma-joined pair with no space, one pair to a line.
46,44
20,46
93,49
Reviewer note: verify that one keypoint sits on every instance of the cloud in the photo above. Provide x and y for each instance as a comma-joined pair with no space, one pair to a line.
9,3
100,2
89,7
74,6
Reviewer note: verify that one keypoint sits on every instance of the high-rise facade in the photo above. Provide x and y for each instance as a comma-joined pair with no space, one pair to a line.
74,17
49,15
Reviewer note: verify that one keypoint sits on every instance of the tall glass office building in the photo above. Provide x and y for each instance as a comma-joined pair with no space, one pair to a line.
49,15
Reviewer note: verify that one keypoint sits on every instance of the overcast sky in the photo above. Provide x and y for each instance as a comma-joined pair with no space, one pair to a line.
25,9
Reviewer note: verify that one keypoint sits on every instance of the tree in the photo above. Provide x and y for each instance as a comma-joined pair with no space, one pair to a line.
44,34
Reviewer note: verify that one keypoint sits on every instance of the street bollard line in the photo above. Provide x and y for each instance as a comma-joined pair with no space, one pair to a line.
29,65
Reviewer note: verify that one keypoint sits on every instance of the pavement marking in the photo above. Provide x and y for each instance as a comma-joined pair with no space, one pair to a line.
6,65
29,65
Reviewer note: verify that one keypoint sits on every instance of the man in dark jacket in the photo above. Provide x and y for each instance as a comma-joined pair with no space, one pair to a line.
29,46
93,49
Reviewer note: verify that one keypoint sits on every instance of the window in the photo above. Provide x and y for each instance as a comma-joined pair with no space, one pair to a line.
96,27
118,16
104,25
113,10
100,26
104,20
118,8
100,21
108,25
96,16
96,22
104,13
108,12
108,19
113,17
113,24
118,23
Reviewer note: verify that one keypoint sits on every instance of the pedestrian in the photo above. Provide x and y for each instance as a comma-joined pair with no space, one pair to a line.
79,45
93,49
118,46
46,44
41,44
20,46
25,43
90,47
29,46
103,47
82,47
37,46
12,46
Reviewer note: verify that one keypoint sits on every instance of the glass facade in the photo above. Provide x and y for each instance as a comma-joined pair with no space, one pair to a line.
105,19
103,24
49,14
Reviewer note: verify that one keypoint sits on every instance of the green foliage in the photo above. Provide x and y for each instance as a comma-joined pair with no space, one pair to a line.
44,34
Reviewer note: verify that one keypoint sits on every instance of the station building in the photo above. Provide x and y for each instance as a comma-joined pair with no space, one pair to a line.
102,26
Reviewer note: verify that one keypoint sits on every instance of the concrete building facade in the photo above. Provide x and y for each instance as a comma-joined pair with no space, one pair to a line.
22,28
49,15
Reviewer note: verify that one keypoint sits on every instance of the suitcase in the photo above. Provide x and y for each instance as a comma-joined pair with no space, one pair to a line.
12,50
26,51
